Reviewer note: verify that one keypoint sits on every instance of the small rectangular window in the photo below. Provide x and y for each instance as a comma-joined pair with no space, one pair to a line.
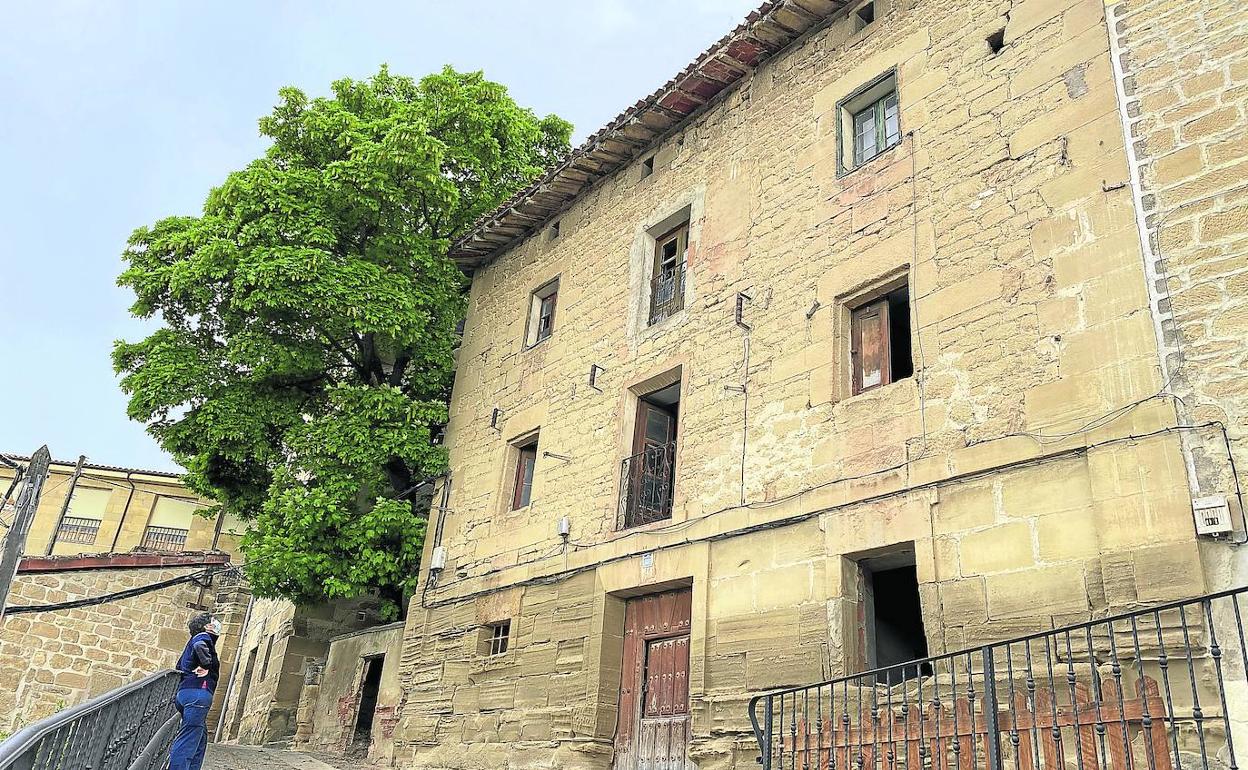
870,123
542,313
496,638
553,233
667,285
526,461
864,16
880,341
647,167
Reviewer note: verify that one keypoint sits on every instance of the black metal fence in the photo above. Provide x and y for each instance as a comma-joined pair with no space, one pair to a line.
75,529
646,480
129,728
667,293
1159,689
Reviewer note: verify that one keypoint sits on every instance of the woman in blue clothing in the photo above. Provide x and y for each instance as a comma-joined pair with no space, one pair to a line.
200,667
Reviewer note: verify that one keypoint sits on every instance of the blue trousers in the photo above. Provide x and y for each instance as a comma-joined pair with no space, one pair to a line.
187,751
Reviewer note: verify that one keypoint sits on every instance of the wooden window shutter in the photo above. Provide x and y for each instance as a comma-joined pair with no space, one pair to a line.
869,346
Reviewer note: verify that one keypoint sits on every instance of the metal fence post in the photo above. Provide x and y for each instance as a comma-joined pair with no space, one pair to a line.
992,712
767,737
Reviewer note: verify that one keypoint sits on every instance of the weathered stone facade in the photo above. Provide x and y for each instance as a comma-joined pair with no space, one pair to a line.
49,660
1034,468
1184,75
280,645
334,694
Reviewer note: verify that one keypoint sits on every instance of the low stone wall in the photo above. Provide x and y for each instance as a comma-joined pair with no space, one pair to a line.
53,659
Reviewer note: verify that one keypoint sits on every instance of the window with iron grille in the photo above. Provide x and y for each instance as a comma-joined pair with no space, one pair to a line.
648,475
869,122
163,539
542,313
496,638
667,285
76,529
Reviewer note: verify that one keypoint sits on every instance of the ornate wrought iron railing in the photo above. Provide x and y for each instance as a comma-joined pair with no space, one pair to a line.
129,728
75,529
646,480
667,293
1159,689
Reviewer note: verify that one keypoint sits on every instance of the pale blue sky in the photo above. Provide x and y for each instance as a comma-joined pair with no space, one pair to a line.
114,114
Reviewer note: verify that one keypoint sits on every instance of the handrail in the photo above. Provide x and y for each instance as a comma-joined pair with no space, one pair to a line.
131,715
1043,690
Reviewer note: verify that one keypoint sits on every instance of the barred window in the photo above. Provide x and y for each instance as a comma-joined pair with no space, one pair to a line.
164,539
496,638
76,529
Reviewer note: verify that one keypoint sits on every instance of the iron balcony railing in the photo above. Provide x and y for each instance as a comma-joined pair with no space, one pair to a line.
164,539
129,728
75,529
1159,689
646,480
667,293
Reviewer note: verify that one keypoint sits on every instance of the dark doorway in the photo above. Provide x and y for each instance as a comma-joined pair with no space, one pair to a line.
891,615
369,688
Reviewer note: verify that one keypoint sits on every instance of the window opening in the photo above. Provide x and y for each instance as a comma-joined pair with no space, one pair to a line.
864,16
554,230
996,41
880,348
648,474
526,461
667,286
647,167
496,638
542,313
870,122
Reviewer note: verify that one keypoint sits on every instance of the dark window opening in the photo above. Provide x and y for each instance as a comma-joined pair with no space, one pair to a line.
554,231
891,617
647,476
546,317
526,461
667,285
647,167
996,41
880,346
369,689
496,638
864,16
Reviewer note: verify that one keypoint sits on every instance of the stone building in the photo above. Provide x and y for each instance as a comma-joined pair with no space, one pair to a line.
883,329
113,510
120,529
282,647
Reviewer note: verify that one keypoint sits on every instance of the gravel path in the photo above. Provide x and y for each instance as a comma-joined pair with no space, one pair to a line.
223,757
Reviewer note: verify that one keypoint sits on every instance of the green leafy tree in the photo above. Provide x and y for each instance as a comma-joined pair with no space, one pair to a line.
307,320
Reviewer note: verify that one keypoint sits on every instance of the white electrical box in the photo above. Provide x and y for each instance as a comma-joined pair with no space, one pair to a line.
1213,515
438,562
565,526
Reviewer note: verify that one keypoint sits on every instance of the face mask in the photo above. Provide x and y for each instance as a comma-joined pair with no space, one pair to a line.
214,628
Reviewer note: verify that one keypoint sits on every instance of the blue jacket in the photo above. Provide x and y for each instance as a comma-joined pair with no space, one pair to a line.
201,652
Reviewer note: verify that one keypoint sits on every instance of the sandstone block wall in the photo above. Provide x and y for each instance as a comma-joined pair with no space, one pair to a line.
50,660
1184,73
330,701
277,648
1033,464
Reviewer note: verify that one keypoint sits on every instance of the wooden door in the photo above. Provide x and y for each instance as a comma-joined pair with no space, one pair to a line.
653,728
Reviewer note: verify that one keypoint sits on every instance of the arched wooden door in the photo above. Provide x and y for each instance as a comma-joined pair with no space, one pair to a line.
653,728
